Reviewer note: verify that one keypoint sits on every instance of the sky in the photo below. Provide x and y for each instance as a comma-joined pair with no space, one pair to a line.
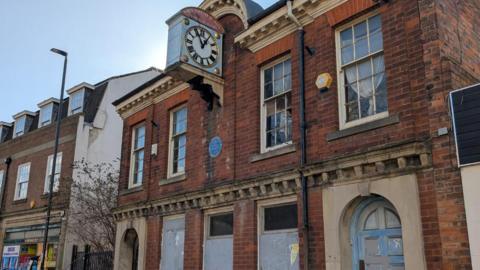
102,37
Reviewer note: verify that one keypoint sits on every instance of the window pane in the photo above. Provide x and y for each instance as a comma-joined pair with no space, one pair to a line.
378,64
347,54
374,23
270,138
138,173
140,137
280,103
352,111
281,135
180,121
366,106
372,222
268,75
270,124
376,42
381,93
392,220
365,69
346,38
351,91
280,217
221,225
76,101
360,30
46,113
280,119
361,48
278,79
268,90
287,67
289,125
20,125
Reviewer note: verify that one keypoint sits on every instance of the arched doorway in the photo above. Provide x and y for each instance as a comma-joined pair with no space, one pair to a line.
131,249
376,236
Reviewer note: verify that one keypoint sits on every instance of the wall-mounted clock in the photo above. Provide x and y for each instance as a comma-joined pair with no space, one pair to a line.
195,38
202,46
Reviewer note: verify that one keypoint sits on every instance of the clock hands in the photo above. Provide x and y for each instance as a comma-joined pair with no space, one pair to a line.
202,44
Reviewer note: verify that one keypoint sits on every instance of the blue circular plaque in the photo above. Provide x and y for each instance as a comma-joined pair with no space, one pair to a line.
215,147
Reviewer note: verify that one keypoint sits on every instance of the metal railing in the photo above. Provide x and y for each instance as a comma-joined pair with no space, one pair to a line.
93,261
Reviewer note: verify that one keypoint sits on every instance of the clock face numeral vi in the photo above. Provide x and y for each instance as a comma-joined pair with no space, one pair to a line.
201,46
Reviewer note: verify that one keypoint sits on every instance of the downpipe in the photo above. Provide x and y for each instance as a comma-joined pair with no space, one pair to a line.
303,143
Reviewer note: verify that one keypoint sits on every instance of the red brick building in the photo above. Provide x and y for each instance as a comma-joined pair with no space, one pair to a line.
26,158
368,178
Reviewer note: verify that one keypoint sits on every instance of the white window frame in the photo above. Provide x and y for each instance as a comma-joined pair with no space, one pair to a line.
263,108
2,178
340,75
261,205
133,151
17,185
20,133
72,111
170,172
42,114
213,213
49,170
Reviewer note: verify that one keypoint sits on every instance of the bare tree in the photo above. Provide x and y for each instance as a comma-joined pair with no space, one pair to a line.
94,192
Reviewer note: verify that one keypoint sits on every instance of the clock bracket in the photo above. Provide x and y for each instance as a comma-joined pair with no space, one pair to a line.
210,86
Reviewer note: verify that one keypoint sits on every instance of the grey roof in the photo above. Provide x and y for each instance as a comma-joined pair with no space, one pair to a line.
253,9
264,13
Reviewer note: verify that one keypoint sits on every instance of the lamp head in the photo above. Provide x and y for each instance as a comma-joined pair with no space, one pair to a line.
57,51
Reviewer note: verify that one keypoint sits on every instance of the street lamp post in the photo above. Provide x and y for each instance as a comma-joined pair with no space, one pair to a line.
54,162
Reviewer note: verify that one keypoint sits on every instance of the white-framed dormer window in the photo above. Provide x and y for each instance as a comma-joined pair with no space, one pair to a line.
23,175
76,102
362,82
46,115
276,104
137,156
20,126
178,142
58,169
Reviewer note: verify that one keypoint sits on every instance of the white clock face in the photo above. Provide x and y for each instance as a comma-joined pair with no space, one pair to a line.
201,46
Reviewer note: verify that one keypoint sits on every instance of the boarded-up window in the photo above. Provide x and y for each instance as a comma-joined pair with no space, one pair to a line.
173,238
278,238
219,242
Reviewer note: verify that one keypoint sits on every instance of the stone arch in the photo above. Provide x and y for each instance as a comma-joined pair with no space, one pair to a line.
130,242
368,216
340,202
129,249
244,9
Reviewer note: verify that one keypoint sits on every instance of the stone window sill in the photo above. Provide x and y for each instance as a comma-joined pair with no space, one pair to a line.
45,195
387,121
21,201
274,153
173,179
130,190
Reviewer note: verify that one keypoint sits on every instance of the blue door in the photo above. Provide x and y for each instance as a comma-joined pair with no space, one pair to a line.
377,237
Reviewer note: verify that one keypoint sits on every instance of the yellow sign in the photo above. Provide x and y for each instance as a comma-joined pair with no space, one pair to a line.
323,81
293,253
